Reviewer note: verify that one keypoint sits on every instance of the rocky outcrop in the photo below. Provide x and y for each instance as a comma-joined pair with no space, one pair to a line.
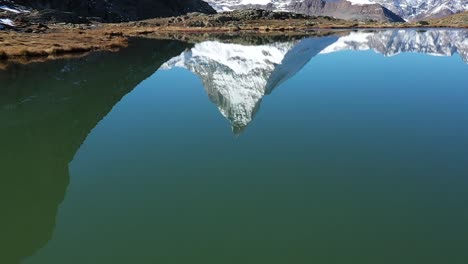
409,10
339,9
345,10
413,10
121,10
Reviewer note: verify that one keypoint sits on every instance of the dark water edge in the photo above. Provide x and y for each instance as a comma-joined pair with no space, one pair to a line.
405,205
48,109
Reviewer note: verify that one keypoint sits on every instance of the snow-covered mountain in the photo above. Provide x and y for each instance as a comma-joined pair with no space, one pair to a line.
236,77
229,5
407,9
393,42
422,9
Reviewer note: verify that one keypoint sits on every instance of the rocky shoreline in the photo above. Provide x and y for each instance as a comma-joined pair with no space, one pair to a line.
35,38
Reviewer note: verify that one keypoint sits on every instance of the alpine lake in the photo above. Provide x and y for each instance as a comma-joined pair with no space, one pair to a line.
347,148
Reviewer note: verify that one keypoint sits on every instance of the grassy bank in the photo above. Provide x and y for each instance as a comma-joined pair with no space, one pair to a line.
59,40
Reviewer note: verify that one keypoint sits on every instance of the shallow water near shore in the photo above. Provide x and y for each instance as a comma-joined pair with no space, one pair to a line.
348,148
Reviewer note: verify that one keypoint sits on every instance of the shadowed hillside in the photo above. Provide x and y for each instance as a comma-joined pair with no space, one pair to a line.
120,10
46,112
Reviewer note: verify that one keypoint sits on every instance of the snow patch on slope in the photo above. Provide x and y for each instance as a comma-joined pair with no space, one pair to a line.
7,21
229,5
13,9
361,2
255,2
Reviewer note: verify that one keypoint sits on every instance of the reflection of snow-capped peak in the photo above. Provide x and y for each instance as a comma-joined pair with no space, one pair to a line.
238,58
354,41
393,42
236,77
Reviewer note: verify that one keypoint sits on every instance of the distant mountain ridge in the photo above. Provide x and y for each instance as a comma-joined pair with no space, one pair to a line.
409,10
339,8
412,10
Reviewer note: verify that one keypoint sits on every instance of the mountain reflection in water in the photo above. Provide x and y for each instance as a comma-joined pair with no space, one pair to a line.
237,76
47,110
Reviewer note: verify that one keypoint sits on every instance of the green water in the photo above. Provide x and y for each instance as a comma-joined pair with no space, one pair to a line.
340,149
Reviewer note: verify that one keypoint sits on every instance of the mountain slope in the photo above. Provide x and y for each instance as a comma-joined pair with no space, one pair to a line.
230,5
423,9
459,19
410,10
345,10
337,8
120,10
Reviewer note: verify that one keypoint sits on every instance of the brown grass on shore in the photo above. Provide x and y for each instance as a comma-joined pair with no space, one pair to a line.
26,60
460,20
62,40
17,46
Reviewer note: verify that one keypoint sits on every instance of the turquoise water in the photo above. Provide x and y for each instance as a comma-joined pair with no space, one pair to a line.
350,148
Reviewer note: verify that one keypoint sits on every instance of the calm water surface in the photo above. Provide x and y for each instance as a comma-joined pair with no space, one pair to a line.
350,148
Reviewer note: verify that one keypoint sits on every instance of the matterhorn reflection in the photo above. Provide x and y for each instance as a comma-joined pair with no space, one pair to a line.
237,76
